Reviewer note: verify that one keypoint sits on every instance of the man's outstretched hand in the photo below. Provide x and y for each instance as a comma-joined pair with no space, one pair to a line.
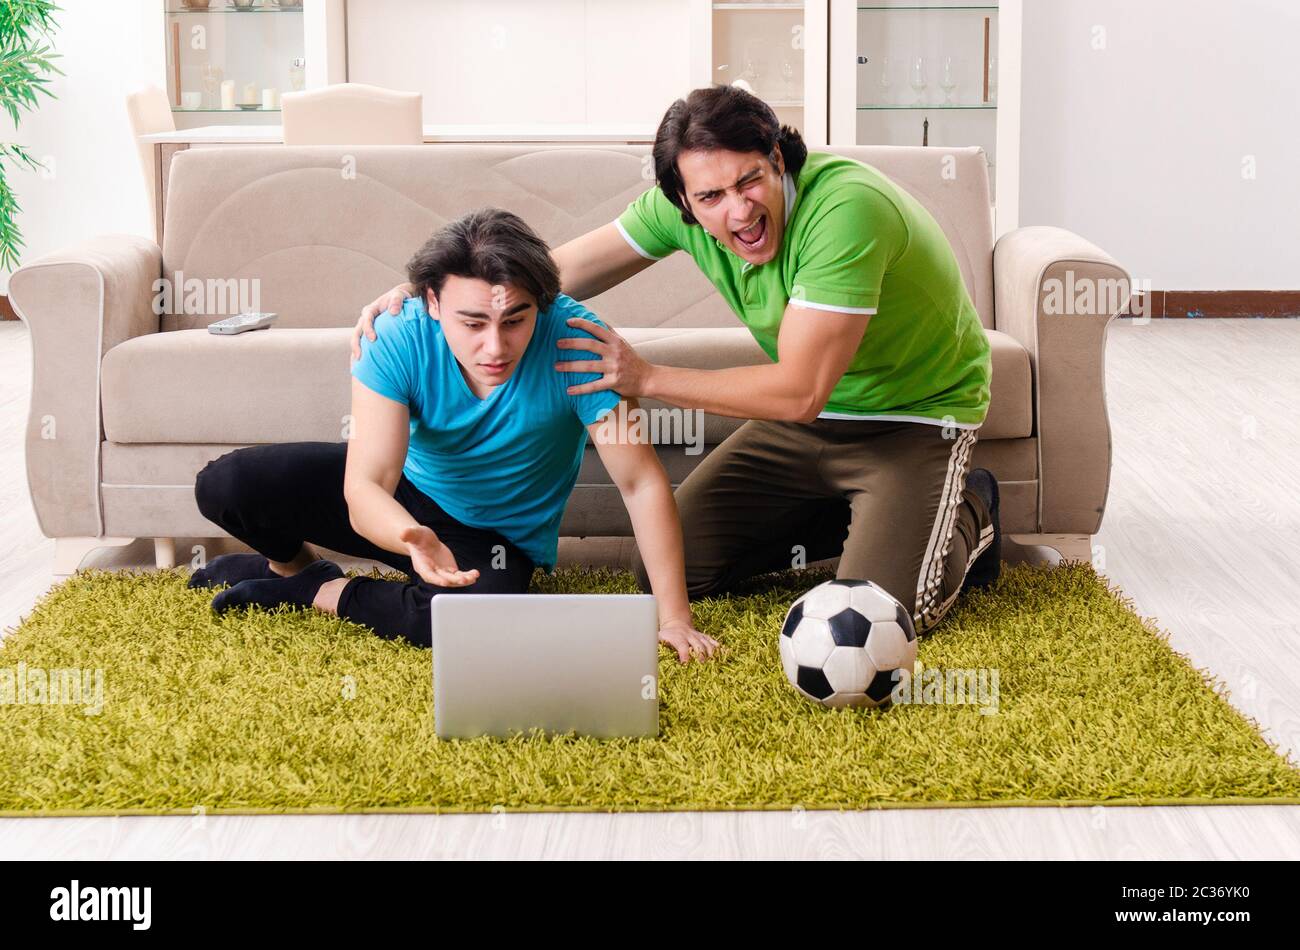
687,641
433,560
391,301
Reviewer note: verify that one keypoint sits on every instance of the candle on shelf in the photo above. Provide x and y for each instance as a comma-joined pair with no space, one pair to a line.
250,94
228,94
270,98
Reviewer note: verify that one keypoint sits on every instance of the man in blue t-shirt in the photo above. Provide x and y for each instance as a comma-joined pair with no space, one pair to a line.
463,450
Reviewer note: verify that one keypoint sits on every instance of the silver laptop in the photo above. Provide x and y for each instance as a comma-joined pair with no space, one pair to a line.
507,663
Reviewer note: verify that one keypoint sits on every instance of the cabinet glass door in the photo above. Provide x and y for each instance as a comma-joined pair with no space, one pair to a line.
927,75
938,73
232,56
777,51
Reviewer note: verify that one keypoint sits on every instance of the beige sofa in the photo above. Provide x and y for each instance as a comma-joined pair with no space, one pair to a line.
128,405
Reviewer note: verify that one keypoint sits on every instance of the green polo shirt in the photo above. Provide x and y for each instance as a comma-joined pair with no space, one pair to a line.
854,242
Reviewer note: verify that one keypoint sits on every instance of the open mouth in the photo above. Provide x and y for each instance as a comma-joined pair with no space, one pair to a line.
754,237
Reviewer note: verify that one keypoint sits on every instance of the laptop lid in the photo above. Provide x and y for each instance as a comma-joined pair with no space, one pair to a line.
507,663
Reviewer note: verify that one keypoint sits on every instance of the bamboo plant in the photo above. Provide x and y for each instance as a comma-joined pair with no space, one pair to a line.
26,64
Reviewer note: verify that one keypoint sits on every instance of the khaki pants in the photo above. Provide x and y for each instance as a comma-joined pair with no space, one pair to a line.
888,498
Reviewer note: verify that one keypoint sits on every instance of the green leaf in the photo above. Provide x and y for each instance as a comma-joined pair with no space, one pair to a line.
26,64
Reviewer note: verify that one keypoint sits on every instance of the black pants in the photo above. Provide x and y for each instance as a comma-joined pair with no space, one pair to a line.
275,498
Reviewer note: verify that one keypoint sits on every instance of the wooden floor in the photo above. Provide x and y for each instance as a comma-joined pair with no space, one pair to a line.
1202,531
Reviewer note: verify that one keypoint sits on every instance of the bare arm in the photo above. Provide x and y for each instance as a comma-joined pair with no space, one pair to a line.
596,261
648,496
814,349
376,454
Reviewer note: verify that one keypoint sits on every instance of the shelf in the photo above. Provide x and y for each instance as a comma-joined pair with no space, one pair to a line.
980,107
987,9
222,11
259,110
759,7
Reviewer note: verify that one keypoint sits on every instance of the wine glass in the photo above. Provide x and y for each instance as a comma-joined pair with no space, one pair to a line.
750,71
787,75
918,79
948,80
211,76
886,82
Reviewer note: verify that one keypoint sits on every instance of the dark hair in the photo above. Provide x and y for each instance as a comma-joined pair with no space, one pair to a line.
720,117
486,244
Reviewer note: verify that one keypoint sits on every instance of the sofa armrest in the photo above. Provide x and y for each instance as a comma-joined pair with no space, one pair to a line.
1057,293
78,304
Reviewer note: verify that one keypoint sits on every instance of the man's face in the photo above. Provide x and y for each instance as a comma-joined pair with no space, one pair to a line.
487,328
738,198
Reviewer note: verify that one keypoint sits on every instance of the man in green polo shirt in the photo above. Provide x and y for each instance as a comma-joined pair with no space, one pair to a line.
861,429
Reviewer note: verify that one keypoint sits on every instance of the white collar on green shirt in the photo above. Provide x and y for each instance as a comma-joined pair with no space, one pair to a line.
787,181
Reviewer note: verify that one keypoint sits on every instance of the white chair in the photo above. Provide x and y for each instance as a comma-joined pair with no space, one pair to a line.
149,111
352,114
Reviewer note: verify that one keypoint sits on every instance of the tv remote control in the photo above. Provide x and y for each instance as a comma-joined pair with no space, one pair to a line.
242,322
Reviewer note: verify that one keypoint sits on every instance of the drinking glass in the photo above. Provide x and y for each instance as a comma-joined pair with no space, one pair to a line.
211,77
886,81
918,79
948,80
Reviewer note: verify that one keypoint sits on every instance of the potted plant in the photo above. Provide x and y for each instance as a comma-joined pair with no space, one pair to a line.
26,62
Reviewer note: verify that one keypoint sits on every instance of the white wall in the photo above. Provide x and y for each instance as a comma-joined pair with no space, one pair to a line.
1140,146
109,48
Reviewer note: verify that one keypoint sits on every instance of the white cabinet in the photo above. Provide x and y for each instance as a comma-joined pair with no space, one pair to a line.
843,72
527,63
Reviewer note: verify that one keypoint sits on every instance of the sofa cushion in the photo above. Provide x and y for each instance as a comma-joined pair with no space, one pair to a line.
294,384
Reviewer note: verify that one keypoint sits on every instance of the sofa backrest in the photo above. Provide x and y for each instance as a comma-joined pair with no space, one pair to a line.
324,230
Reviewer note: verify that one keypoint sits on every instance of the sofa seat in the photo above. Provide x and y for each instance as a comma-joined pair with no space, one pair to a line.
292,384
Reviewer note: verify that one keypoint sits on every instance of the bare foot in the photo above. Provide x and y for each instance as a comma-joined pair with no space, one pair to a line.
327,598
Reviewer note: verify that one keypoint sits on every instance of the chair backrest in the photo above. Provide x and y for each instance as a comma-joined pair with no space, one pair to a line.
326,230
148,111
352,113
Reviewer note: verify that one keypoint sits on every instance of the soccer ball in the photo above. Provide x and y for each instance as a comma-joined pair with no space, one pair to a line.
843,641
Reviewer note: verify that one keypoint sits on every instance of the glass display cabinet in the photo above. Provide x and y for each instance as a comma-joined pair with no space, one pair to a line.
235,57
777,50
939,73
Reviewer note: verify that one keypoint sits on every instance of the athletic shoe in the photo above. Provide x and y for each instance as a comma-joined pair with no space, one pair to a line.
988,565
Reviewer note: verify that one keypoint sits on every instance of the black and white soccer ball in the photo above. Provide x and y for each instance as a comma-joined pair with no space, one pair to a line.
843,641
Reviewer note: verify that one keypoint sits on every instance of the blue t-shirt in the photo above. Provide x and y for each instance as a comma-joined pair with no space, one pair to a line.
508,462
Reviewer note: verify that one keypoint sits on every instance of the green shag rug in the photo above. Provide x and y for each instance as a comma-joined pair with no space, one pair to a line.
292,711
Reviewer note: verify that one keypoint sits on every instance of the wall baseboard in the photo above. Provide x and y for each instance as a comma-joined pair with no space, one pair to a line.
1191,304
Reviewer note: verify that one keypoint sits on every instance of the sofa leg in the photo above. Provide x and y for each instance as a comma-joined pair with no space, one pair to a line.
164,553
1071,547
70,552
